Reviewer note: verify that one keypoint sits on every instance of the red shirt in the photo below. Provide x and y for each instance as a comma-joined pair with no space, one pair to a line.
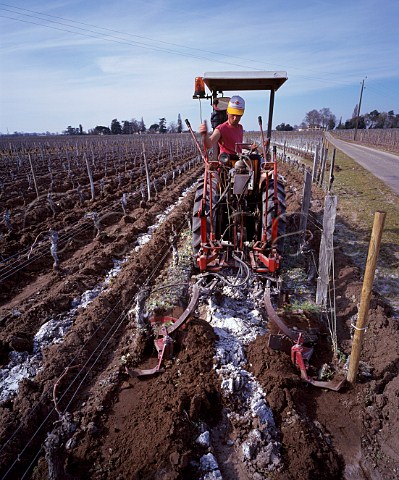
229,136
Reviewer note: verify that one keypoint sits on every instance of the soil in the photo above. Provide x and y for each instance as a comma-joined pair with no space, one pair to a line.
83,416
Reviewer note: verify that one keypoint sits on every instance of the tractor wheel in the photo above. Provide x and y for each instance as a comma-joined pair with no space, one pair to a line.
271,213
196,221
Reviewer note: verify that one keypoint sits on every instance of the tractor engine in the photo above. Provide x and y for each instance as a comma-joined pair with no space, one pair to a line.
241,177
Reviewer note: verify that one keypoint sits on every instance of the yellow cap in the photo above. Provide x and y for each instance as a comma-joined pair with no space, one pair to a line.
236,105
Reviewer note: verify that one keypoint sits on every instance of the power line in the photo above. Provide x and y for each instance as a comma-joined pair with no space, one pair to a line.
132,35
117,39
109,37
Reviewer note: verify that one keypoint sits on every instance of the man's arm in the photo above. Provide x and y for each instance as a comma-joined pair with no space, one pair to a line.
209,140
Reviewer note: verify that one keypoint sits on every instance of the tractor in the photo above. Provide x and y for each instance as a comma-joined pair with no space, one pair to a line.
238,220
239,208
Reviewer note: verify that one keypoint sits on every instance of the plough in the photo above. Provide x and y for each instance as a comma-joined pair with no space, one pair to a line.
163,328
300,353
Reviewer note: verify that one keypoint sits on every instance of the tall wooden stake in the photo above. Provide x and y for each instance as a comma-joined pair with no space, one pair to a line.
326,249
34,176
331,179
307,193
315,163
93,194
147,174
374,248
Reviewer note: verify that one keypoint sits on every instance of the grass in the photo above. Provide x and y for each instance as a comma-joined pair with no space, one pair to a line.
360,195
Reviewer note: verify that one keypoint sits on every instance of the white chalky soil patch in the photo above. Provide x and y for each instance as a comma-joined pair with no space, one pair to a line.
237,322
24,365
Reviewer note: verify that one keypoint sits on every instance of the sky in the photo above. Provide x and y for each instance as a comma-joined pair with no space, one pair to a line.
69,62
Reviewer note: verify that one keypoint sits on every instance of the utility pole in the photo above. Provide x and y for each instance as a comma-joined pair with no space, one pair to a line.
358,110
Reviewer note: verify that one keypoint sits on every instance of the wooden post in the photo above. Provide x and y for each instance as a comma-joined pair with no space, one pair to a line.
323,167
326,249
307,193
331,178
93,194
34,176
147,174
315,163
374,247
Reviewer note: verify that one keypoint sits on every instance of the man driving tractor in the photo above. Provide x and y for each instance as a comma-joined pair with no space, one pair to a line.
229,133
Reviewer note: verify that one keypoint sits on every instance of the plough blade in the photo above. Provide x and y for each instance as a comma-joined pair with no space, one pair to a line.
300,355
187,312
138,372
299,352
289,332
334,385
164,344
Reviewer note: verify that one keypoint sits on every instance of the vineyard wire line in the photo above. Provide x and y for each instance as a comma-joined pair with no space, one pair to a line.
118,322
10,270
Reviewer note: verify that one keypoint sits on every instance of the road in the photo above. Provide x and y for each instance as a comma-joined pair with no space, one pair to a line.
383,165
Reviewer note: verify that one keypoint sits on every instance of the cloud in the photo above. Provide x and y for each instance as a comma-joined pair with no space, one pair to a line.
144,58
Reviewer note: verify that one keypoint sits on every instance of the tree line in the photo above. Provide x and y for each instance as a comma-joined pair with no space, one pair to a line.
314,119
128,127
324,119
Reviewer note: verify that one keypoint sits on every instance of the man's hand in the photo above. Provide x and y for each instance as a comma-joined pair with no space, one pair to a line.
203,129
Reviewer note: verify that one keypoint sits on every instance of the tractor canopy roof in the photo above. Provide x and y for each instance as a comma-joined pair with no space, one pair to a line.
226,81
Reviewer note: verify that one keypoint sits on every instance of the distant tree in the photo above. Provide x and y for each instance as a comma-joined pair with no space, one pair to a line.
116,127
71,131
322,118
81,132
313,119
179,124
396,121
390,119
135,125
172,127
162,125
371,118
327,118
331,123
101,130
130,127
382,120
142,127
126,128
154,128
284,127
351,124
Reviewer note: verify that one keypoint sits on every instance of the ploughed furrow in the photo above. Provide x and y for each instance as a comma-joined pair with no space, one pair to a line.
59,223
227,406
141,241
